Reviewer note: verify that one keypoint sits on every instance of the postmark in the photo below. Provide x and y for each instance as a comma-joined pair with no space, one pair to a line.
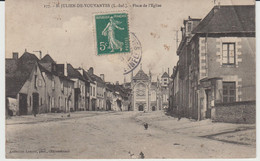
112,33
134,58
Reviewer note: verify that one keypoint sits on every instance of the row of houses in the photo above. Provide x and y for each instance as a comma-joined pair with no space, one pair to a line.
216,64
40,85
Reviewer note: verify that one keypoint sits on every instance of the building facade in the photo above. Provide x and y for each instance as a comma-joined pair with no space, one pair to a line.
25,84
145,94
217,61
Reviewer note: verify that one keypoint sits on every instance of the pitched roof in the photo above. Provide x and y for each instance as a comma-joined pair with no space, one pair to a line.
97,79
28,57
73,73
16,78
228,19
47,59
165,75
87,77
140,75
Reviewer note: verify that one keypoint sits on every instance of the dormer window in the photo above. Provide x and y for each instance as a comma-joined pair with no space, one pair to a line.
189,27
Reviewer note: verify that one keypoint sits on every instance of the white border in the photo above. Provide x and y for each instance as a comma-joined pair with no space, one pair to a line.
2,88
2,79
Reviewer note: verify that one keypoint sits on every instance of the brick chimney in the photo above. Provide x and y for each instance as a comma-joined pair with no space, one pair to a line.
91,70
15,55
102,77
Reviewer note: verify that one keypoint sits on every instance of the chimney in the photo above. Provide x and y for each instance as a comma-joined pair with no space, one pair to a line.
117,82
91,71
102,77
66,69
216,8
15,55
80,70
40,54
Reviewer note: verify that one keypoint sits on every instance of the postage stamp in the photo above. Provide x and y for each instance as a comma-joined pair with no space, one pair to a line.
112,33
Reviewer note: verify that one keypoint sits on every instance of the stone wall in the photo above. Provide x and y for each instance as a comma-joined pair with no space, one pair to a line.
236,112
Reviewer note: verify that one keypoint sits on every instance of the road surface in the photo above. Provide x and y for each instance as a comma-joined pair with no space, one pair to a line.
121,135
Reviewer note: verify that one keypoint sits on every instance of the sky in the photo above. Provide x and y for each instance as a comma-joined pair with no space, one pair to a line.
67,34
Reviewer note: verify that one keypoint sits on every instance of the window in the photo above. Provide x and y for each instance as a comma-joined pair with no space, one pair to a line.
52,102
165,79
229,92
52,84
35,81
62,86
93,91
228,53
189,27
90,90
30,101
39,82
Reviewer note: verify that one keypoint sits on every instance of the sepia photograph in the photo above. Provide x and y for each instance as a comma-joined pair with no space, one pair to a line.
130,79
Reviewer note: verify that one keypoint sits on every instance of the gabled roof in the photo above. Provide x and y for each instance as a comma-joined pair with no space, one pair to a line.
97,79
16,78
87,77
73,73
47,59
228,19
28,57
165,75
140,75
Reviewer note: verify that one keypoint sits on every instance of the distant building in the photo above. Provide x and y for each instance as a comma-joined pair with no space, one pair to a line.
98,90
146,95
59,88
165,79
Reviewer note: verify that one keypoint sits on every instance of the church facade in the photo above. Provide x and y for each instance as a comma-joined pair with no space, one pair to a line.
146,95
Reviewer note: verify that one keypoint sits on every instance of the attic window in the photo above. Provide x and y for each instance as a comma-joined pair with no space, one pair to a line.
189,27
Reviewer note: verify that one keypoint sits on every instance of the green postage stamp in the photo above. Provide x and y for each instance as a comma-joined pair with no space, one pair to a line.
112,33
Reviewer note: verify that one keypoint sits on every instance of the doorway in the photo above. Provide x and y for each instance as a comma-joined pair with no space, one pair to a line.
23,104
35,103
140,108
208,98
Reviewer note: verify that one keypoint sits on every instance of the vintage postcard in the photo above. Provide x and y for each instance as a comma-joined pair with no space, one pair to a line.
112,79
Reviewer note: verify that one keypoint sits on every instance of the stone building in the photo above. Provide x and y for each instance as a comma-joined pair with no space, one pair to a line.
145,94
59,88
217,61
25,84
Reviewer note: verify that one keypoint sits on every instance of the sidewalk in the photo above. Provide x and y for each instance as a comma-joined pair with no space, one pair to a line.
48,117
244,134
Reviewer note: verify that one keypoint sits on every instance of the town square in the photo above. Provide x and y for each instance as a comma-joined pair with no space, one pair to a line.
119,81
